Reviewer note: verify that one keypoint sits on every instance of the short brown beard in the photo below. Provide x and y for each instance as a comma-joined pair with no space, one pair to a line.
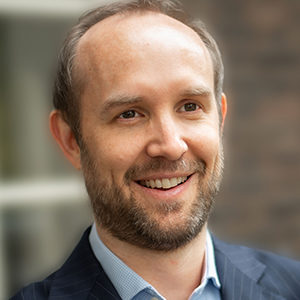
126,219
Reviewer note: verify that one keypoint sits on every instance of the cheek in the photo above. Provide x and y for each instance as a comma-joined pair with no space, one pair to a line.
117,154
206,144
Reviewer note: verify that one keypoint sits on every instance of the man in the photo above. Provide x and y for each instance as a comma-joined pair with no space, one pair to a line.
139,109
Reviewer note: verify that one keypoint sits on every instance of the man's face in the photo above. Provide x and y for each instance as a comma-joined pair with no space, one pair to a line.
151,151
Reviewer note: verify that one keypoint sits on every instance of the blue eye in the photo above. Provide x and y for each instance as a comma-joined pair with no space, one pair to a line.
128,114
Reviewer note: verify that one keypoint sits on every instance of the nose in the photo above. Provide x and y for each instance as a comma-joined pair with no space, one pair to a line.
166,140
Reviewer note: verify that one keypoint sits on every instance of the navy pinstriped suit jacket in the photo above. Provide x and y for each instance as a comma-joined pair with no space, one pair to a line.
244,274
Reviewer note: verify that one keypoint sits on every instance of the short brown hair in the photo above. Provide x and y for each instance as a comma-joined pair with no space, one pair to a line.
65,97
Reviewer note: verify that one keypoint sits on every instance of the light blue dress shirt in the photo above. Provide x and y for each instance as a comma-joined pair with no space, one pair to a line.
131,286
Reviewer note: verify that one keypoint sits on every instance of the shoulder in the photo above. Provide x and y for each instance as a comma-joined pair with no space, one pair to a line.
75,277
281,273
38,290
277,262
270,260
277,274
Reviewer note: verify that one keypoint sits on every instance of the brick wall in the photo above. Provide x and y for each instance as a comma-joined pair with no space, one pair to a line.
260,200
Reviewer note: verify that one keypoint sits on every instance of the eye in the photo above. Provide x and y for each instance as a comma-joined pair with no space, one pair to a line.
189,107
129,114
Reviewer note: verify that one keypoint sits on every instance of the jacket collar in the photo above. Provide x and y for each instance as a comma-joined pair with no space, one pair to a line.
82,277
240,273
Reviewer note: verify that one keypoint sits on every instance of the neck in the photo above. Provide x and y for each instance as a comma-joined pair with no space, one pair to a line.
174,274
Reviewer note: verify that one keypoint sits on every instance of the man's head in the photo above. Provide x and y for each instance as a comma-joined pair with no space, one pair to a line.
149,136
67,89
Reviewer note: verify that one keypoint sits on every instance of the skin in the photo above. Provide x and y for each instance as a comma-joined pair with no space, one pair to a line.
148,66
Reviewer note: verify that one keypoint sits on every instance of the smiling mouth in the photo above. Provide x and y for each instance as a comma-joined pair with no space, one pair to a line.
163,183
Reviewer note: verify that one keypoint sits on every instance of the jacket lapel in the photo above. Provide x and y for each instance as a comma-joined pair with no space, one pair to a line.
240,273
103,289
82,277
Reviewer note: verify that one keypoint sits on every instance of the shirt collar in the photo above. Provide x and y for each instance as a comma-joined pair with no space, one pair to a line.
211,269
127,282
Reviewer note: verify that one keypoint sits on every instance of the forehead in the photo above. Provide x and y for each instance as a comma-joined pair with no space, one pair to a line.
126,27
125,40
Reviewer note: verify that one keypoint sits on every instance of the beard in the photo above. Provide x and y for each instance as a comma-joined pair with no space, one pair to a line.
129,220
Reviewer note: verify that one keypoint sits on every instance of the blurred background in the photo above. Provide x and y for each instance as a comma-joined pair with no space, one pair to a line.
43,205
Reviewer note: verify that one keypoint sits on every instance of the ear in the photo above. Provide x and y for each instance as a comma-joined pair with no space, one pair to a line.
223,109
65,138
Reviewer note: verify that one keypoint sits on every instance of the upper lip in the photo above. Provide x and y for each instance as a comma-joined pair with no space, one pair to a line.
165,175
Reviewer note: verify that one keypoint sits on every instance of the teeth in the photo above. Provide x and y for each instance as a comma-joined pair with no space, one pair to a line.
164,183
174,181
158,183
152,183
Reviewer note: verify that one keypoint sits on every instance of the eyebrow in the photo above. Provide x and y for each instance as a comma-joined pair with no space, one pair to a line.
124,100
119,101
197,91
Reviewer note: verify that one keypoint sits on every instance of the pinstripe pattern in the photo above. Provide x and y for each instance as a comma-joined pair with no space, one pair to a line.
245,274
251,274
81,277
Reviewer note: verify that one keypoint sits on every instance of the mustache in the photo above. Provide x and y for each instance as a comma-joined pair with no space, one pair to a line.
160,164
